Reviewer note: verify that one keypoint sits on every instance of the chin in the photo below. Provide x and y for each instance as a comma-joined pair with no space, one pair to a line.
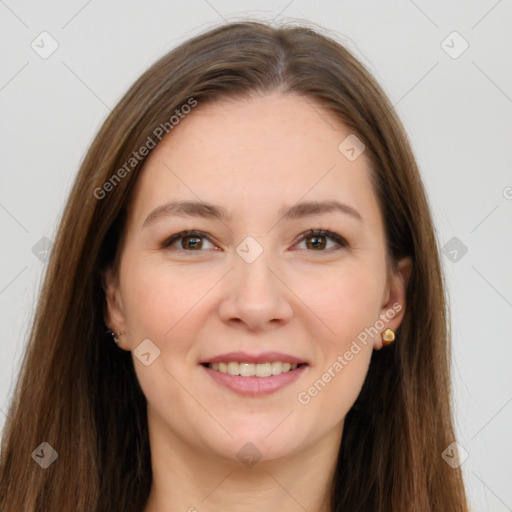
265,439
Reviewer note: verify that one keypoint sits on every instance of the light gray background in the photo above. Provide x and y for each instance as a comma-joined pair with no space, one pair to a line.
457,112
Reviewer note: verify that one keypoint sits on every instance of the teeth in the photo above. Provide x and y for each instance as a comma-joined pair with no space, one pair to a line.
233,368
252,369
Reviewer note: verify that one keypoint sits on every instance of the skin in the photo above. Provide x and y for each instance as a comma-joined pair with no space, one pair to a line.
252,156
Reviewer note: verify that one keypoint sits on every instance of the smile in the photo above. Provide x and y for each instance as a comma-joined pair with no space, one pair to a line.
254,379
253,369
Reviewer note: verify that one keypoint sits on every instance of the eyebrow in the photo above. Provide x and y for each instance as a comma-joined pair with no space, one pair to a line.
211,211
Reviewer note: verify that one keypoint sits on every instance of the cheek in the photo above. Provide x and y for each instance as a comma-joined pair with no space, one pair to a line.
345,301
339,385
159,304
337,379
160,297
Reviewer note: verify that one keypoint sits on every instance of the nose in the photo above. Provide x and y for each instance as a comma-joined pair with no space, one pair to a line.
255,296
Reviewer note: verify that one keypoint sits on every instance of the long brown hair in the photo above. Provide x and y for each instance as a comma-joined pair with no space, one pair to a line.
79,393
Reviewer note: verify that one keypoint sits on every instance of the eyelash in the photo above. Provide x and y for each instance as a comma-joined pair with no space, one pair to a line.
307,234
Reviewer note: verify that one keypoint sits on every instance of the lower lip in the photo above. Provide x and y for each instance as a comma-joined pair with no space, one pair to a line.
255,386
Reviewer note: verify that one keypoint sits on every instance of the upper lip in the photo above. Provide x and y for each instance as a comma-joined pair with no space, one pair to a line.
245,357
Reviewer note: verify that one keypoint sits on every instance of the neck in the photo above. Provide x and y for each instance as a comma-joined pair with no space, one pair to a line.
186,479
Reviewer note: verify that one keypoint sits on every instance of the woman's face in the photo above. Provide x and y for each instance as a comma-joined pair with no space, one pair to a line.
248,283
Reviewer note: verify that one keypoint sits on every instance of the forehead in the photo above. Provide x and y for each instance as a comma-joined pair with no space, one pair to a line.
253,156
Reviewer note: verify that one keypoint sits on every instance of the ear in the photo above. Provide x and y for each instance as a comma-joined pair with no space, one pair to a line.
114,311
394,299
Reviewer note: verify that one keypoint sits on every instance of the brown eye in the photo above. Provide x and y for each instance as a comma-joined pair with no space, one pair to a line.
188,241
317,240
191,242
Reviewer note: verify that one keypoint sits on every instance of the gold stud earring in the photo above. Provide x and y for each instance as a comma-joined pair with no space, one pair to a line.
388,336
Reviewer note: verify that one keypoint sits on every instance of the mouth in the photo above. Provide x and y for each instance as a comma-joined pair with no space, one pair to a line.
260,370
254,375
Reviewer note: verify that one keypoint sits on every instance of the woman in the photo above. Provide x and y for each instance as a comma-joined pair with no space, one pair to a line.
244,307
